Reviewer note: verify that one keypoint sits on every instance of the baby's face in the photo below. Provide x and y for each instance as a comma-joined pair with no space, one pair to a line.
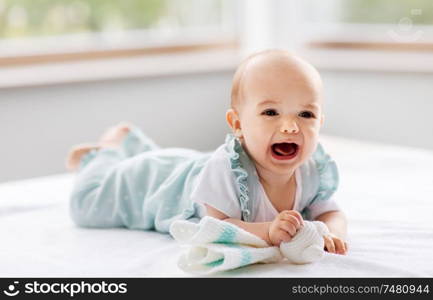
280,113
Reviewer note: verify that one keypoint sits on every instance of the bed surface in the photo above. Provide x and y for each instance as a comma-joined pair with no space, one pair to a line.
386,191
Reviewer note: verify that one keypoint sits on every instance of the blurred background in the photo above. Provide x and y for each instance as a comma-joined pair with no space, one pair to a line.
71,68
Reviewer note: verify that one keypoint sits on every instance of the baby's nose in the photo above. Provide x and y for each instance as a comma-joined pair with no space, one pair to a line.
289,126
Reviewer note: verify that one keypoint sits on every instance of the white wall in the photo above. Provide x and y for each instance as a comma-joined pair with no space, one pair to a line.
39,124
387,107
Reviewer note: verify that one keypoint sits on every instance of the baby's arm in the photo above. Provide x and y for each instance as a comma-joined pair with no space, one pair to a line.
281,229
337,225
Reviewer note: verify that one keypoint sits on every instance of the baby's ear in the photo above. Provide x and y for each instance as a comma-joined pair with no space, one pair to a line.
232,119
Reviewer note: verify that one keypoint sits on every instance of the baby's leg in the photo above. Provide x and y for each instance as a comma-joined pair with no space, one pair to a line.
128,139
110,184
96,192
112,138
113,191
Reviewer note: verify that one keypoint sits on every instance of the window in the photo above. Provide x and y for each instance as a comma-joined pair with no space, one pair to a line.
46,30
370,24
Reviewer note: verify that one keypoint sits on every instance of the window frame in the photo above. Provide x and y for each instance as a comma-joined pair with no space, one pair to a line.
329,48
110,53
101,45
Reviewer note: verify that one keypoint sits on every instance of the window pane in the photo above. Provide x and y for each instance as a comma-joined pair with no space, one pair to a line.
369,11
31,18
387,11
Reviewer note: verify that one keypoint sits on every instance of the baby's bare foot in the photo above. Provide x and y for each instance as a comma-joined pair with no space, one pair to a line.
114,136
76,153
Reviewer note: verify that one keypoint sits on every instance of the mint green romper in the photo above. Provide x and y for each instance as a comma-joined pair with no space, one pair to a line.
142,186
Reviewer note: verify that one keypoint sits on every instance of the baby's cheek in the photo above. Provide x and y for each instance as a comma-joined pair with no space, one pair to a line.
254,148
311,137
308,149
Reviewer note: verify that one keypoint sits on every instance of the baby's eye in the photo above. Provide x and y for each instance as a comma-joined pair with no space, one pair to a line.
270,112
306,114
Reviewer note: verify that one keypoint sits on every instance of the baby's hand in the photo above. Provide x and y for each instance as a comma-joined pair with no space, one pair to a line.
334,244
285,226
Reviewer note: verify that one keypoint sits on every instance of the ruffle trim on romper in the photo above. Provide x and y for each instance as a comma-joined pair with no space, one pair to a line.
328,173
234,149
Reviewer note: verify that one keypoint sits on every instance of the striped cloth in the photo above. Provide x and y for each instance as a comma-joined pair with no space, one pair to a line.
216,245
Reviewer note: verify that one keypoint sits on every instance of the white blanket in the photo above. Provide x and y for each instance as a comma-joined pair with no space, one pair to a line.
386,192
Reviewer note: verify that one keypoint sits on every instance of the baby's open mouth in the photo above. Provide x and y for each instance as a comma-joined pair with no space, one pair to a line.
284,150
